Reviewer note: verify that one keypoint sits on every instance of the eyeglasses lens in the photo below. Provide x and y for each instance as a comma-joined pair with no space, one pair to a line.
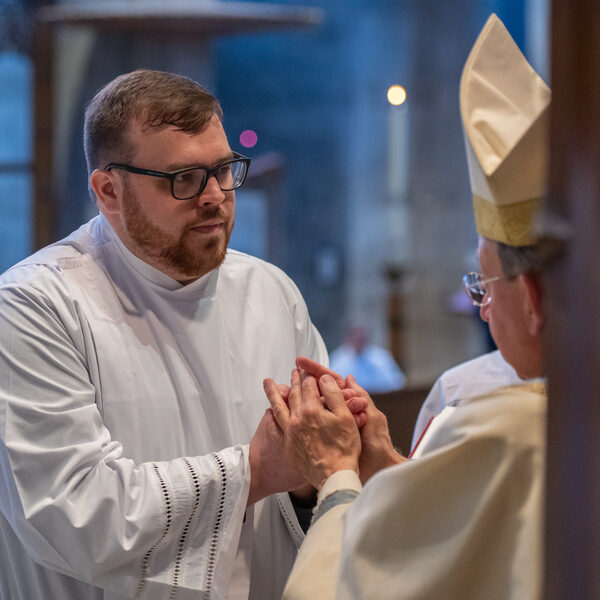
474,288
187,183
190,183
231,175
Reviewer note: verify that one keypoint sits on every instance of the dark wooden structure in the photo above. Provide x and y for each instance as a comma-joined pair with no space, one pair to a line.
573,307
401,408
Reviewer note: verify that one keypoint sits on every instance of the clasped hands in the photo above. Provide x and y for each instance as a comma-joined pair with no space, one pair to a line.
329,423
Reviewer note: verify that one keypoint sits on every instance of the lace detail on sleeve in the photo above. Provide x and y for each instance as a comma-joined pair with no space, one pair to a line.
218,526
168,506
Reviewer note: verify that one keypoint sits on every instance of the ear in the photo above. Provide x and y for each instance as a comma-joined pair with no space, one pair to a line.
534,298
108,189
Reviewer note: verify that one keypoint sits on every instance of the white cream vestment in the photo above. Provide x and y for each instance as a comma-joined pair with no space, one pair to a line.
467,380
126,405
463,521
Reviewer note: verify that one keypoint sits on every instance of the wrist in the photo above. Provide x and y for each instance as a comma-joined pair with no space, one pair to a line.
340,480
395,457
259,485
331,469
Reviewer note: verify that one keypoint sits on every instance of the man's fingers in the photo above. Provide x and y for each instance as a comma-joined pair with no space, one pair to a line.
334,399
360,418
284,391
311,396
278,405
357,404
274,427
360,392
351,383
349,393
295,396
316,370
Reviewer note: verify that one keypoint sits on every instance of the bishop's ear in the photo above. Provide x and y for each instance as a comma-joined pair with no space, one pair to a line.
534,298
108,189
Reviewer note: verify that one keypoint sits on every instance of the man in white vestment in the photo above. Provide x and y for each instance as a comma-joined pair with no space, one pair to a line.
465,520
137,458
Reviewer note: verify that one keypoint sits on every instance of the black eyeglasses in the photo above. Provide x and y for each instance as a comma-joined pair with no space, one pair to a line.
189,183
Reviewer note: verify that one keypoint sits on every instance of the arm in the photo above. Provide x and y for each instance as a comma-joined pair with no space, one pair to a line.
415,530
76,503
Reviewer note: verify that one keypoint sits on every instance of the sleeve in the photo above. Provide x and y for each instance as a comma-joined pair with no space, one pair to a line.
315,571
308,341
75,502
316,568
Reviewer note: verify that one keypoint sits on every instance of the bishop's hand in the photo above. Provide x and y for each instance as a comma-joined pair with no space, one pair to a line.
320,435
377,449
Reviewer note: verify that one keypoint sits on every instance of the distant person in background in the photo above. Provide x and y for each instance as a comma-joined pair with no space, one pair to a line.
373,367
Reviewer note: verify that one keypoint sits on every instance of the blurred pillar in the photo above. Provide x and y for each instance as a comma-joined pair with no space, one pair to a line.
395,312
44,211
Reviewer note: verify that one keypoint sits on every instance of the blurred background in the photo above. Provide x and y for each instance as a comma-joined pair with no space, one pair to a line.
358,191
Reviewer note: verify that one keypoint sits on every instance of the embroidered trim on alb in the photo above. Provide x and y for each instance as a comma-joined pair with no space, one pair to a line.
214,542
178,569
298,533
168,504
338,497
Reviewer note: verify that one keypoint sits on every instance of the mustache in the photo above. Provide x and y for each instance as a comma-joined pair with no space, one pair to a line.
208,214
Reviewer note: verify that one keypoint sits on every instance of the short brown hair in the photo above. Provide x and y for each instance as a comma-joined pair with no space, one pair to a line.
157,98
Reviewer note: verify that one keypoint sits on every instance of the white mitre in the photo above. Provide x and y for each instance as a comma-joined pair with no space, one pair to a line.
504,107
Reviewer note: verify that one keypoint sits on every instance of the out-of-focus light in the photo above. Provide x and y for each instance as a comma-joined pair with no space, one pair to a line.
396,95
248,138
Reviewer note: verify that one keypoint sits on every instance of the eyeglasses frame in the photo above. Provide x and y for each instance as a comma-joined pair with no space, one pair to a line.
482,284
173,174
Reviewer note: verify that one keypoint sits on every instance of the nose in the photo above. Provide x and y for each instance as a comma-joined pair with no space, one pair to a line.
212,193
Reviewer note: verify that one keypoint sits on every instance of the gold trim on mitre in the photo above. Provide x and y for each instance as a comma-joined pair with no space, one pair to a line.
504,108
511,224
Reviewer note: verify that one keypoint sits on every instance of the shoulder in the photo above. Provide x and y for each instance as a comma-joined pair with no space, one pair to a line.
489,363
84,241
477,376
515,413
42,274
526,397
241,267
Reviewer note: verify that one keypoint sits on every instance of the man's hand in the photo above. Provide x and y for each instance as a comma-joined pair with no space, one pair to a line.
377,448
319,440
355,402
270,472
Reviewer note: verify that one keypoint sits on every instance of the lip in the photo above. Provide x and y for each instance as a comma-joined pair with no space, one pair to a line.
210,227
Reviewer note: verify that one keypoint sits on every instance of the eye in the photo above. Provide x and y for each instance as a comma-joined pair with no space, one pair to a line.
184,177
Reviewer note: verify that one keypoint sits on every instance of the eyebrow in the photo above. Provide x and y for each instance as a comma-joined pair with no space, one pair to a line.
180,166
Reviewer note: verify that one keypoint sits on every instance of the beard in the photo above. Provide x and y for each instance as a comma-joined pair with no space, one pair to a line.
181,256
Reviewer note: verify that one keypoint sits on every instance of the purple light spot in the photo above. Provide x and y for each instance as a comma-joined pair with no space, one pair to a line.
248,138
